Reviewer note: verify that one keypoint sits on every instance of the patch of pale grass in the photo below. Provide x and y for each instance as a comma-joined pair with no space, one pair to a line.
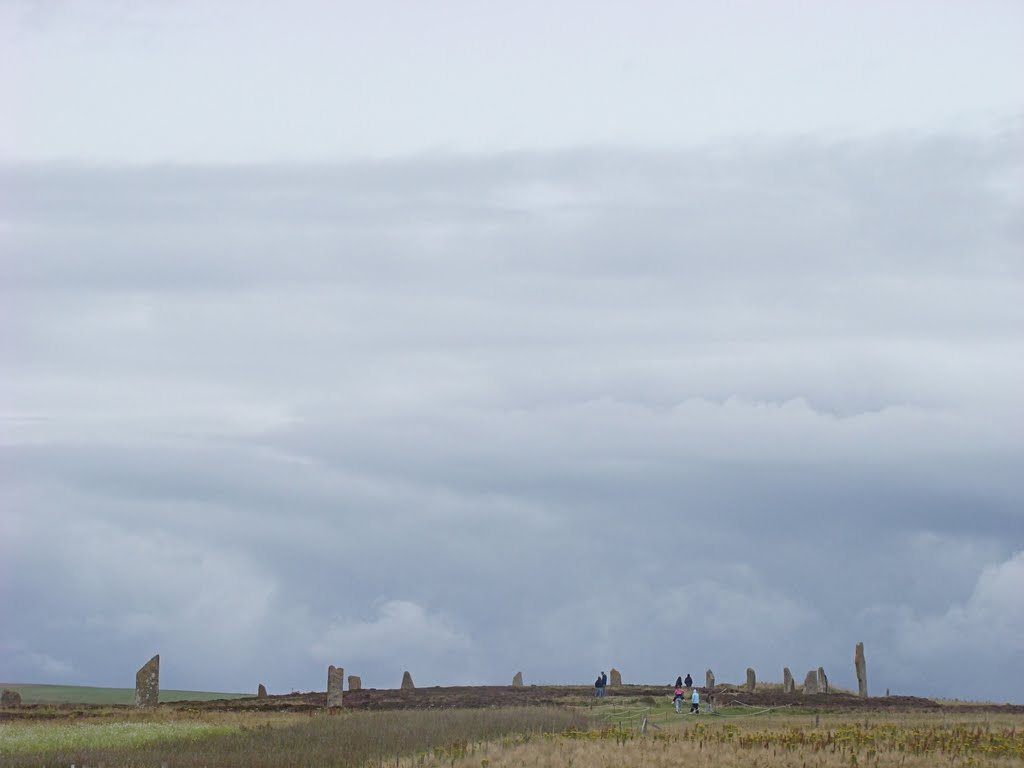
17,738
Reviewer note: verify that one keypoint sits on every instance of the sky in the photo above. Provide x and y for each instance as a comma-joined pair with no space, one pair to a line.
475,338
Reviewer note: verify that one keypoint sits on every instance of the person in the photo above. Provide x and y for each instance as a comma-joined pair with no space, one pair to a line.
599,686
678,698
679,682
604,682
695,702
688,681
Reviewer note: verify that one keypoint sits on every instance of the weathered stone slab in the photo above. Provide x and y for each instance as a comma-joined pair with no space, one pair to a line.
10,699
862,671
335,686
709,680
147,683
822,681
517,680
788,686
261,692
407,684
751,680
614,677
355,683
811,682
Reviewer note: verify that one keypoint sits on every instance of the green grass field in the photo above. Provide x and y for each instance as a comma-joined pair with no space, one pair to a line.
79,694
250,740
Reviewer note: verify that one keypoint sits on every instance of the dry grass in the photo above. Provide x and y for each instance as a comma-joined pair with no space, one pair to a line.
909,741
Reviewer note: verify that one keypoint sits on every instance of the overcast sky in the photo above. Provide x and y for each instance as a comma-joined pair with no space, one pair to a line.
470,338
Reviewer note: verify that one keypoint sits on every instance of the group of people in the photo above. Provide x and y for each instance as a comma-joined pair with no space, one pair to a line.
678,698
679,695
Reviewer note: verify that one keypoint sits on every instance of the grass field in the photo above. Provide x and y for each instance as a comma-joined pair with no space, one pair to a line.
230,740
79,694
626,733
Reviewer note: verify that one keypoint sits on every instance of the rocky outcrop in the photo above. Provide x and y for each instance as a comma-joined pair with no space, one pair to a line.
261,692
788,686
10,699
614,677
407,684
822,680
709,680
355,683
147,683
517,680
751,680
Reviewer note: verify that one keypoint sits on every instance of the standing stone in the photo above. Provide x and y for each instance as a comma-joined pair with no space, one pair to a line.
335,685
811,682
355,683
147,683
751,680
822,680
10,698
517,680
407,681
862,671
788,686
709,680
261,692
615,677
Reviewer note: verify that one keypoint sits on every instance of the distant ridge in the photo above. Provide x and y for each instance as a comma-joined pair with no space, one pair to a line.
32,693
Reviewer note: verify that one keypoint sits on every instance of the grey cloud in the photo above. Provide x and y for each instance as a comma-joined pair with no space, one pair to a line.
554,412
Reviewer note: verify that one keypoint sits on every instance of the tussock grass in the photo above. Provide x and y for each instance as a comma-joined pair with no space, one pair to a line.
343,739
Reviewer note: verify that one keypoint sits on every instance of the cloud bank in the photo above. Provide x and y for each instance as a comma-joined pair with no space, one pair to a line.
743,405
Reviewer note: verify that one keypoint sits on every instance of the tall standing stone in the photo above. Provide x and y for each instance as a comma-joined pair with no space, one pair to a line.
862,671
788,686
261,692
709,680
811,682
517,680
355,683
10,699
822,680
147,683
751,680
335,686
614,677
407,681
